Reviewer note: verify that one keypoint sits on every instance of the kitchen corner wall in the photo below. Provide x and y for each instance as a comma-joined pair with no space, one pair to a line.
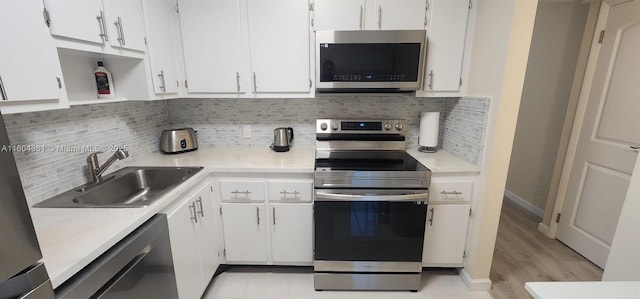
61,140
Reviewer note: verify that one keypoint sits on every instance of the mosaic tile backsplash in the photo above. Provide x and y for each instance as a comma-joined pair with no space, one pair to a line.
61,140
64,138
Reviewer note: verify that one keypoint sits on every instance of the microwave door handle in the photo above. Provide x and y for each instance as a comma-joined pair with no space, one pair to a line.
324,196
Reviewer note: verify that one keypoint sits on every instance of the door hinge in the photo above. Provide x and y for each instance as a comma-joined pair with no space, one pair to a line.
470,212
211,188
558,217
220,210
177,83
470,4
310,83
311,6
224,252
464,254
460,82
177,7
47,18
59,82
186,84
601,37
145,40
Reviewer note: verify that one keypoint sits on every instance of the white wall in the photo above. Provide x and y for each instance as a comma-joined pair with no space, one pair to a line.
555,46
500,48
623,262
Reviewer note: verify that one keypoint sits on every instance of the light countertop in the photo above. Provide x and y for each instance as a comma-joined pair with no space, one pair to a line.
584,290
70,238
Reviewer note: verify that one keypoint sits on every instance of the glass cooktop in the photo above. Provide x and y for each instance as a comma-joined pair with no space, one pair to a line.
369,161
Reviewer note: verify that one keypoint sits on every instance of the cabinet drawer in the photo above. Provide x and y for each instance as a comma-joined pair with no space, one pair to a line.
291,191
449,191
242,191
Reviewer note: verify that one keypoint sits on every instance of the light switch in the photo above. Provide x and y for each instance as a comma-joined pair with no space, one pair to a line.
246,131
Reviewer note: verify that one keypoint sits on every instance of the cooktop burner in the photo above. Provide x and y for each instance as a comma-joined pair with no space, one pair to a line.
368,161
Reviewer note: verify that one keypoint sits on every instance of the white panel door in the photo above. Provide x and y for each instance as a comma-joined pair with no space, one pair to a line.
125,23
77,19
184,244
244,227
446,35
279,39
400,14
445,234
339,14
28,56
207,232
212,46
292,233
608,141
161,22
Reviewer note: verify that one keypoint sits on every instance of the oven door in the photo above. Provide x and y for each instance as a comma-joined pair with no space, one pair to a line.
362,230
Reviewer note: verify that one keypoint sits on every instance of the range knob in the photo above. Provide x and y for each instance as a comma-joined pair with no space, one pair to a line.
399,126
387,126
335,126
323,126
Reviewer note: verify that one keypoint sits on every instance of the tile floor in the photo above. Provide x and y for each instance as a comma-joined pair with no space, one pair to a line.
297,283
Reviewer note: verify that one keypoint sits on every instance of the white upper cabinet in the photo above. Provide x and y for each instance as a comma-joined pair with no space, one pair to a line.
446,35
28,64
125,24
398,15
339,14
212,46
161,23
82,20
279,36
370,14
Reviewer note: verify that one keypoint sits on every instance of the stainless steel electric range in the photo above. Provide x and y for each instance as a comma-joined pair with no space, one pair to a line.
370,207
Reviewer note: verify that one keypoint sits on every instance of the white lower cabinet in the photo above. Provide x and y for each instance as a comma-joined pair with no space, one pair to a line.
291,237
445,235
245,236
193,242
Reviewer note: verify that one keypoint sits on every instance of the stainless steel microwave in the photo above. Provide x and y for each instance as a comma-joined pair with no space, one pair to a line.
370,61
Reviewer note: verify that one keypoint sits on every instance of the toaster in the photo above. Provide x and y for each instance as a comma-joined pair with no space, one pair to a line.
175,141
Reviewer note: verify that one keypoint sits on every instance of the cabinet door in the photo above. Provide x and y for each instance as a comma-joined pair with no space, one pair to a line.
245,237
292,233
339,14
28,56
161,22
206,232
445,234
279,39
212,46
77,19
400,14
184,244
125,23
446,34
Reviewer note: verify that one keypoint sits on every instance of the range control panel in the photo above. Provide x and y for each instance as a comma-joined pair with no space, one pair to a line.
346,126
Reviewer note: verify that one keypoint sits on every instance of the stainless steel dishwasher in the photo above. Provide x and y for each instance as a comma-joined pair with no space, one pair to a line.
139,266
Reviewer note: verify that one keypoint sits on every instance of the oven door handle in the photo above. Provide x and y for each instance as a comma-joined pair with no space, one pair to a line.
416,197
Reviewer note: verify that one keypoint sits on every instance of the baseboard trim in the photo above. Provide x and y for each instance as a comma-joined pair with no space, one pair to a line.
543,228
483,284
523,203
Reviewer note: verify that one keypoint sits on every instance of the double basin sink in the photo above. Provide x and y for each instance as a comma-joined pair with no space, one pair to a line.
129,187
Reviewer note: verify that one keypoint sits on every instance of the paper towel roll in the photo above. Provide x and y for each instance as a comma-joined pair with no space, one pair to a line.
429,127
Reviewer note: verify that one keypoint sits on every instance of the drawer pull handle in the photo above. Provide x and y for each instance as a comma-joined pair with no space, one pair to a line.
241,192
451,193
194,214
294,193
258,215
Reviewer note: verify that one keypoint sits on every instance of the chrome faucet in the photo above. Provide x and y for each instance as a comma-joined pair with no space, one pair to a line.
96,170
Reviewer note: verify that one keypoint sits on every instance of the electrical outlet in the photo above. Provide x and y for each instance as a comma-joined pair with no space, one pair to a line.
246,131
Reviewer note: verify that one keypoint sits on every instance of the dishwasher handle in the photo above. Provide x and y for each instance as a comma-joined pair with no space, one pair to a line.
127,268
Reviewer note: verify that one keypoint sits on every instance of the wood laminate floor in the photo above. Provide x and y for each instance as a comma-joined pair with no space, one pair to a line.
524,254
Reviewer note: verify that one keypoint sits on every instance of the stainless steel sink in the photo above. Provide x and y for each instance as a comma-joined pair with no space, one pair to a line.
129,187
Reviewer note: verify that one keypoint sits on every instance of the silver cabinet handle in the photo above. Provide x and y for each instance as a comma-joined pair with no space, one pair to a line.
361,17
430,80
194,215
163,86
3,92
241,192
431,217
258,215
238,81
380,16
103,28
118,25
199,201
255,86
635,148
294,193
274,216
451,193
